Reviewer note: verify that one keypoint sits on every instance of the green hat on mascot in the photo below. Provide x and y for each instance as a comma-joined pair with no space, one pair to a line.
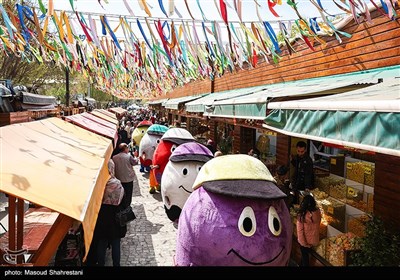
236,216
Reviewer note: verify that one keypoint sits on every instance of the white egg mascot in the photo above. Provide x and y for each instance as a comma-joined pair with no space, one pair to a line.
179,175
149,143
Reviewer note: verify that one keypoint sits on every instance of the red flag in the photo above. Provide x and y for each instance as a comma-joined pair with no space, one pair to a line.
224,12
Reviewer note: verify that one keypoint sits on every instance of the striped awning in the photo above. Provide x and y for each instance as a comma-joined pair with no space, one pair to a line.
367,119
174,103
254,106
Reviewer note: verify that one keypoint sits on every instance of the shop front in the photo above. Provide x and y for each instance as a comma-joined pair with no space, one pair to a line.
244,110
176,109
221,130
348,137
158,107
199,127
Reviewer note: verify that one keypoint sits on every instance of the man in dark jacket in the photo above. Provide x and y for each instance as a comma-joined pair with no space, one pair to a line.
303,177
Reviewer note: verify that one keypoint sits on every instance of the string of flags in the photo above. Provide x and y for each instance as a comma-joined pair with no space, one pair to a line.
160,54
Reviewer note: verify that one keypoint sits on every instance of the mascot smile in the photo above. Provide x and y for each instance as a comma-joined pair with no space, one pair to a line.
236,216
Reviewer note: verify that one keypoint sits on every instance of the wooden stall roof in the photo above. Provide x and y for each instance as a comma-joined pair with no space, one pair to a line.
57,165
104,117
99,120
105,112
94,126
118,110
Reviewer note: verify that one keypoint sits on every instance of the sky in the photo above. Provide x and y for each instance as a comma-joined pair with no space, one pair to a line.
306,8
114,8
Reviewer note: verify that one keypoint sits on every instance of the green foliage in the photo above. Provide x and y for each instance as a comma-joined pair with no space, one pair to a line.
46,77
25,69
101,96
225,145
379,246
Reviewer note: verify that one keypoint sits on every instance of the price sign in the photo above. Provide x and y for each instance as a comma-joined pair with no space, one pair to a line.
333,161
349,165
367,170
351,192
330,210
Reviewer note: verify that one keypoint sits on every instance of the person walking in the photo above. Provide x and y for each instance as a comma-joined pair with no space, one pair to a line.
282,182
107,231
124,161
303,177
211,146
307,225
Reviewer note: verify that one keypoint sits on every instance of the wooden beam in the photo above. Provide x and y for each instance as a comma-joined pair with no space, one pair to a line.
11,222
52,241
20,227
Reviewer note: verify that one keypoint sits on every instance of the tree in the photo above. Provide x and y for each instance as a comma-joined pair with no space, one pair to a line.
25,69
379,247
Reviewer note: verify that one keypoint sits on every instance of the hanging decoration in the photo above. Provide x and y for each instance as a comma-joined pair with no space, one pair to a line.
271,5
165,53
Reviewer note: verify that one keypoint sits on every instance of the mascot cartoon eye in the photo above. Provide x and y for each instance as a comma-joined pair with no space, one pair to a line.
185,171
247,222
142,131
198,167
173,148
274,223
158,141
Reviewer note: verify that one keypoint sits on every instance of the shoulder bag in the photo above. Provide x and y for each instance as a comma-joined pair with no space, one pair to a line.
125,216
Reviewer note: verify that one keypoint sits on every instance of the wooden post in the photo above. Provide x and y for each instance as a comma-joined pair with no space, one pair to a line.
20,228
66,87
11,222
52,240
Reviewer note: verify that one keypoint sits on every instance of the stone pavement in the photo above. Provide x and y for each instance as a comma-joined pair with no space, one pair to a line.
151,237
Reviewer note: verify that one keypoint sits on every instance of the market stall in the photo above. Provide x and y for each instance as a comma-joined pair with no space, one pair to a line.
57,165
99,120
105,112
94,126
118,111
105,116
348,136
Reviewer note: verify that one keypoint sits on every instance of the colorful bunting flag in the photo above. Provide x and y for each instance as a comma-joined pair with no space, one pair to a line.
149,65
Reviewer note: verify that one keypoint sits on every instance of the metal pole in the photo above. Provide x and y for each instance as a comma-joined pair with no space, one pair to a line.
89,88
67,87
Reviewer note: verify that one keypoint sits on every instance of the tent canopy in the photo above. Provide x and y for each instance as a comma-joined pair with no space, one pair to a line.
117,110
99,120
367,118
202,104
105,112
382,97
94,126
37,99
57,165
104,116
173,103
90,100
255,105
158,101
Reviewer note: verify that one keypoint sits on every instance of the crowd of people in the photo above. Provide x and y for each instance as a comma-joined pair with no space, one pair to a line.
119,188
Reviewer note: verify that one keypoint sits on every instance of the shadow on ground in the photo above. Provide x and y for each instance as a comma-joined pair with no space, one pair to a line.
137,248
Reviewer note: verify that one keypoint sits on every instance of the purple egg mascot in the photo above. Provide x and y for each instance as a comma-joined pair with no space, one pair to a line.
236,216
179,175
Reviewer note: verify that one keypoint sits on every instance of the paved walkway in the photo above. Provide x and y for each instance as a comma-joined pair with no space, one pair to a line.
151,237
